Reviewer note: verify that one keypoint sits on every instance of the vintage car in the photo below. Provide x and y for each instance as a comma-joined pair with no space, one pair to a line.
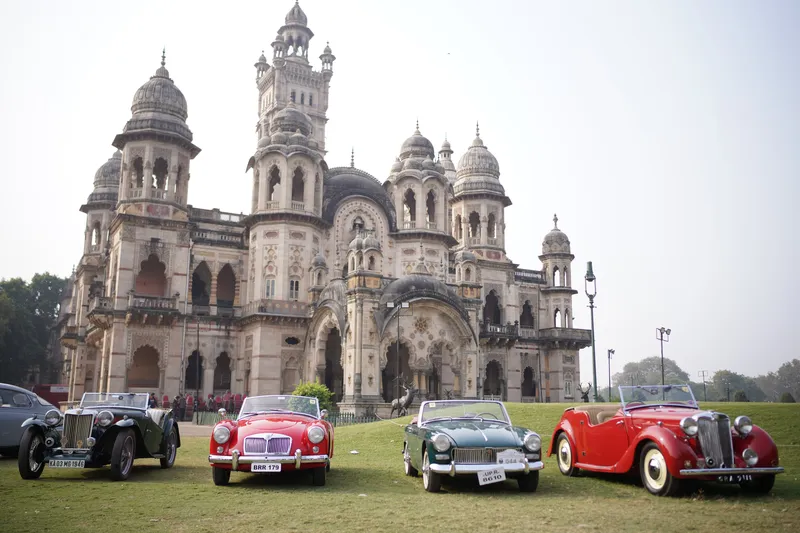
272,434
661,432
105,429
16,406
472,438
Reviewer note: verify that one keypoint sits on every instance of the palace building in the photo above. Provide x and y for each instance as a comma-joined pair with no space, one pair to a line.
334,276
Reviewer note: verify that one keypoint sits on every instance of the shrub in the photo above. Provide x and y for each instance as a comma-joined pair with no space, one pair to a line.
318,391
787,397
740,396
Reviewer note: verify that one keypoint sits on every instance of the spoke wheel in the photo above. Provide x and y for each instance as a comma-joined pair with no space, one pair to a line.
122,455
30,458
655,475
565,456
171,449
407,467
430,480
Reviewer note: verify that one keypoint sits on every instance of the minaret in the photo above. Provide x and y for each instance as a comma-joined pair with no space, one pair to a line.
557,265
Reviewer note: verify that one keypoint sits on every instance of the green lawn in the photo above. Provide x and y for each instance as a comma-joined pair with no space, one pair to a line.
368,492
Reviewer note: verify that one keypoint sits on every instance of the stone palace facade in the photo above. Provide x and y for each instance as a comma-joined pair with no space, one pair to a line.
333,276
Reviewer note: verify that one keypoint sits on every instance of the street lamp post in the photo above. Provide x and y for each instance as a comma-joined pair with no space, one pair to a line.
591,292
197,383
403,305
662,334
611,352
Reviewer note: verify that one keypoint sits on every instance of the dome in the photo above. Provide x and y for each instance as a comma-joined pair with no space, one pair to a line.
327,49
465,255
556,241
416,145
446,146
160,95
262,58
412,163
478,161
296,15
298,138
421,285
397,166
108,175
371,242
357,243
290,119
276,138
342,183
428,164
319,261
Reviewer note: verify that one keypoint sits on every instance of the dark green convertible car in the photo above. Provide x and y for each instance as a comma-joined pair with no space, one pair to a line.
470,437
106,429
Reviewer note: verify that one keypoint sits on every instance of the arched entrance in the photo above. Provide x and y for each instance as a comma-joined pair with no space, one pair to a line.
226,287
151,280
193,380
334,373
222,374
392,386
528,383
492,383
491,311
144,372
201,287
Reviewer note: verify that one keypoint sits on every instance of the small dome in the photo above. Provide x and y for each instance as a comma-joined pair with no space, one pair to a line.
428,164
421,286
465,255
416,145
312,143
556,241
276,138
371,242
319,261
357,243
160,95
412,163
478,161
262,58
327,49
290,119
397,166
296,15
108,175
342,183
279,37
298,138
446,146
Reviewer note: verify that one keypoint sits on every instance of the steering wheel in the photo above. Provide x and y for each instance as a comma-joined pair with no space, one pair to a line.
479,415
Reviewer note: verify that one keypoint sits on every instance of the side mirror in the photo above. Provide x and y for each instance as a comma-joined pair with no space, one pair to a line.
222,412
323,413
414,421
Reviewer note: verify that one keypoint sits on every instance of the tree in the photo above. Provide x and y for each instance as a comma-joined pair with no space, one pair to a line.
787,397
789,377
648,372
725,383
740,396
319,391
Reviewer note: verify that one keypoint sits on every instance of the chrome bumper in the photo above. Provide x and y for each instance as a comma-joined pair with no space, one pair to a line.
689,472
235,459
453,469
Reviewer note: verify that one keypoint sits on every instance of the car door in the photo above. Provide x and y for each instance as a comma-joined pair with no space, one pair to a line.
15,408
414,447
606,442
153,434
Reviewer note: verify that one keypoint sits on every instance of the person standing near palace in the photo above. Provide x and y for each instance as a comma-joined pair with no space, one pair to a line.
182,406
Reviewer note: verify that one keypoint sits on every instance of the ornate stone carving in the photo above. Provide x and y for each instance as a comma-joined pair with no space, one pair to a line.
137,338
421,324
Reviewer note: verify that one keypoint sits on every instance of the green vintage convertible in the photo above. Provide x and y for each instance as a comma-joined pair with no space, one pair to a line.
470,437
106,429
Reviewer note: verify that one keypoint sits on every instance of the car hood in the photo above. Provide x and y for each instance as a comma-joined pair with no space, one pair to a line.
468,433
272,423
664,414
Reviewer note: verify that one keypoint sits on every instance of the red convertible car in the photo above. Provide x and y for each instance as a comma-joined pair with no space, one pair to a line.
661,432
273,434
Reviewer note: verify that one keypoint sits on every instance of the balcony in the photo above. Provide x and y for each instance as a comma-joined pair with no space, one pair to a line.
215,215
158,194
499,334
409,224
70,336
527,332
156,303
474,241
94,248
153,310
574,338
100,304
298,206
430,225
529,276
492,241
229,311
276,308
272,206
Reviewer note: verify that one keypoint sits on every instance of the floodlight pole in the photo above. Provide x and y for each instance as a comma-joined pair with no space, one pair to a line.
660,335
401,306
611,352
591,291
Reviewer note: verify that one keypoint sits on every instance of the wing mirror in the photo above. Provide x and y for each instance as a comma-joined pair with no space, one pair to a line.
323,413
222,412
414,421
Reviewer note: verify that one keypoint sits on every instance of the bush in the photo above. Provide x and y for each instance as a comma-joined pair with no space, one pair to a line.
319,391
740,396
787,397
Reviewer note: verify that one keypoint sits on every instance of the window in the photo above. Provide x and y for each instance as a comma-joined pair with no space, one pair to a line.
294,289
302,98
269,291
310,99
293,96
568,387
12,398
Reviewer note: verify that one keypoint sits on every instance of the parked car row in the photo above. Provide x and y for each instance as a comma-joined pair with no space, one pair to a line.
658,432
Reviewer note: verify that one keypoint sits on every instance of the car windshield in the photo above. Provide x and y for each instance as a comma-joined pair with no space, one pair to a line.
306,405
647,395
487,410
117,399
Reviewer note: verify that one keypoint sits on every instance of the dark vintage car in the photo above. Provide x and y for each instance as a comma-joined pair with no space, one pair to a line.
661,432
16,406
273,434
106,429
473,438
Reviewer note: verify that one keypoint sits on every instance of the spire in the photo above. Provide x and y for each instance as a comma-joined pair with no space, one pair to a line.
416,130
477,129
555,221
352,158
420,267
164,56
162,71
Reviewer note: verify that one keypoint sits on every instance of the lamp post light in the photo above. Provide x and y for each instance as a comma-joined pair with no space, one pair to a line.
611,352
591,292
403,305
662,334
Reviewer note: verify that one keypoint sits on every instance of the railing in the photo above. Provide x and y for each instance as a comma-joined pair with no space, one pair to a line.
228,311
275,307
430,225
211,418
198,309
103,197
409,224
136,193
529,276
216,237
153,302
215,215
527,332
298,206
158,194
510,330
94,248
570,334
101,303
272,206
474,241
492,241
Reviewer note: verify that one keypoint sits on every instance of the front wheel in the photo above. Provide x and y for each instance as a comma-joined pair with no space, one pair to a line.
430,480
318,476
30,457
407,468
529,482
759,485
221,476
171,450
565,455
122,455
655,475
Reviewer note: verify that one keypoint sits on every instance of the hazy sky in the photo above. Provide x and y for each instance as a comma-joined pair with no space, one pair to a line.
664,134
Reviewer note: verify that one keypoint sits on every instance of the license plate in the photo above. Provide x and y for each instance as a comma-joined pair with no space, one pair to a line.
736,478
509,456
265,467
495,475
66,463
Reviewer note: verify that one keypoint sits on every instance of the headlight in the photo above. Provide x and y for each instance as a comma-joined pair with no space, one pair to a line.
533,442
689,426
743,425
750,457
222,434
52,417
104,418
316,434
441,443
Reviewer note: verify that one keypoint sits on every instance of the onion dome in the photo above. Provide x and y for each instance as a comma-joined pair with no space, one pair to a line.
262,58
412,163
371,242
298,138
556,241
397,166
290,120
319,261
160,95
296,15
446,161
277,138
428,164
417,146
478,160
327,49
342,183
108,175
357,243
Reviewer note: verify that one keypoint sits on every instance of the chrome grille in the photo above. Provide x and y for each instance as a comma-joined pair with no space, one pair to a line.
476,456
271,446
77,429
714,434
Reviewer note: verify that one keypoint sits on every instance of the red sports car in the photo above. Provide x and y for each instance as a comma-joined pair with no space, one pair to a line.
661,432
273,434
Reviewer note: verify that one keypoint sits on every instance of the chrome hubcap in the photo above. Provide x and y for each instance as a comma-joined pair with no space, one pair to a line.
127,454
425,471
33,454
564,455
655,469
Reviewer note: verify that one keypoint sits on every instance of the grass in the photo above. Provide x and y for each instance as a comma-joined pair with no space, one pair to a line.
368,492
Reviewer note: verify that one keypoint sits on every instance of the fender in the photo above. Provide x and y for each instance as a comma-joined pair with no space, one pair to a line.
33,421
565,426
760,442
168,427
675,450
125,423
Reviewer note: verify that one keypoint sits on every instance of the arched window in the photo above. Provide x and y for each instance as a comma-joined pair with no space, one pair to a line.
526,318
226,286
528,382
151,280
319,278
474,225
298,185
222,373
467,274
371,263
201,285
491,310
294,289
492,227
144,371
430,208
557,319
556,277
138,173
566,318
274,184
458,231
160,169
269,288
96,234
302,98
409,207
358,224
293,96
565,278
193,380
310,99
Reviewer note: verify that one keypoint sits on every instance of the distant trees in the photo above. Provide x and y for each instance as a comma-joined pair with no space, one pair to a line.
724,384
648,372
740,396
787,397
786,379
